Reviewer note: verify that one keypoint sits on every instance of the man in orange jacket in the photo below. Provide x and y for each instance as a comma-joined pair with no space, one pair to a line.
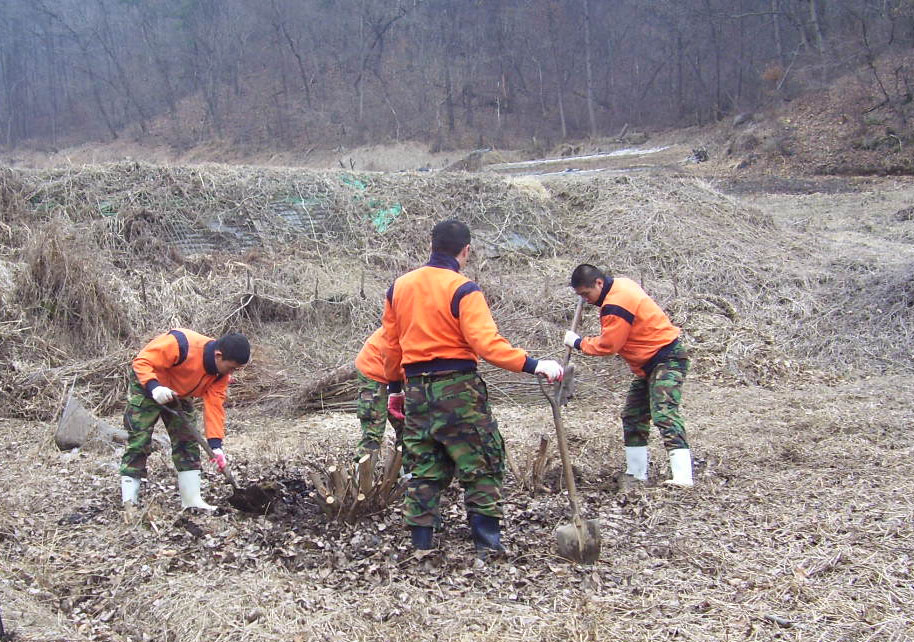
437,325
372,399
633,326
174,367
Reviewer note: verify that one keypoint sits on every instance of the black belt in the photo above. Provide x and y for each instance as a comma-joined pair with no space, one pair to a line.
659,356
431,376
438,366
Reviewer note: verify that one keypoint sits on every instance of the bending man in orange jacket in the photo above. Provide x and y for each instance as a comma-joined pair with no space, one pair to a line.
633,326
173,367
372,399
437,325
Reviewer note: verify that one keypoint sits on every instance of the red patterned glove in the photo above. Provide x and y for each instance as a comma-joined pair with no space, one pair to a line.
219,459
395,405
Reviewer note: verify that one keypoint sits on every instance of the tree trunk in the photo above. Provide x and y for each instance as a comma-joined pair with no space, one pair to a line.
816,28
776,24
560,75
588,70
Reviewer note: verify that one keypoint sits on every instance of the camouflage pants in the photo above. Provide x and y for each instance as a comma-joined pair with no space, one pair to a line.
372,413
657,398
450,431
139,419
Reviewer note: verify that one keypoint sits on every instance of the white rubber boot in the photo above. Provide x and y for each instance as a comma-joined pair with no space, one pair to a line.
636,461
130,490
189,487
681,467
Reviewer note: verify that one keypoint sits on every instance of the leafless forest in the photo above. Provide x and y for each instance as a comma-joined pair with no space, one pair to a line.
454,73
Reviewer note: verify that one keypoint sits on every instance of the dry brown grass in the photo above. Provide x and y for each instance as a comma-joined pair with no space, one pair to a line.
115,254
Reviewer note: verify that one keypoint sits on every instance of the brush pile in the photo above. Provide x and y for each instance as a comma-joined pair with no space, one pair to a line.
349,492
104,258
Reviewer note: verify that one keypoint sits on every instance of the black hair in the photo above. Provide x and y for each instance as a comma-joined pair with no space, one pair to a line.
586,275
234,347
450,237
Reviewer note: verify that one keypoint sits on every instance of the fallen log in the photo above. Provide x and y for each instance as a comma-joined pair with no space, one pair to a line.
79,428
328,390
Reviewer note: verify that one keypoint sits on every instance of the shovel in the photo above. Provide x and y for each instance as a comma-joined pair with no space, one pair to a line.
254,498
580,540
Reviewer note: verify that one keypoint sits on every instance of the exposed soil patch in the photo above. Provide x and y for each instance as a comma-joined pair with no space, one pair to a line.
749,185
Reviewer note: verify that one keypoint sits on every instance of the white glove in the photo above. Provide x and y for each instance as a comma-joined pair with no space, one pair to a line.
571,338
163,395
552,370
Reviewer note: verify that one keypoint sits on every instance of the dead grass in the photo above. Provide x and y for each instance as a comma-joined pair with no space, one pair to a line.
300,260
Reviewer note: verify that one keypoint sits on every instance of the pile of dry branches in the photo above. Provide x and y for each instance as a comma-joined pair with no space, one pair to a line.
113,255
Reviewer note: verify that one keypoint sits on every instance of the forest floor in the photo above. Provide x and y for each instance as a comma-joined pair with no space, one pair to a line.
798,528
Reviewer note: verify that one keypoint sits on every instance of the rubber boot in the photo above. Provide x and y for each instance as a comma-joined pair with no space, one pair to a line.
189,487
681,467
421,537
636,461
130,490
486,535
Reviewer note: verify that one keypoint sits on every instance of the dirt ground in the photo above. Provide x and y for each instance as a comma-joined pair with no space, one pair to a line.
799,527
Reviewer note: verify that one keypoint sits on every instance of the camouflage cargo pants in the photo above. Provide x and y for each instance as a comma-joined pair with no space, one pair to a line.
449,432
657,398
372,413
139,419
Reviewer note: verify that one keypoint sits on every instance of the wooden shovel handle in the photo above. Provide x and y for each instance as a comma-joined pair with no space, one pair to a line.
575,321
200,440
559,427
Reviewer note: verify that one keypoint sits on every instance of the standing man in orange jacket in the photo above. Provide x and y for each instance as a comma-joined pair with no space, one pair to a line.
633,326
437,325
174,367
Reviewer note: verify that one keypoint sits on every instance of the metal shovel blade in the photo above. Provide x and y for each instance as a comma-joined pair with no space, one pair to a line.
580,541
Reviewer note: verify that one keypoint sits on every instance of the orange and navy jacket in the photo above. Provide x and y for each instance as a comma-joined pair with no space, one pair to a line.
370,360
185,361
437,320
632,325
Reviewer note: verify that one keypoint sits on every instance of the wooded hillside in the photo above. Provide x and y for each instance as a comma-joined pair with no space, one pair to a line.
454,73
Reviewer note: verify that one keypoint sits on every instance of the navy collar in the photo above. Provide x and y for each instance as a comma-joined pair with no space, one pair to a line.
607,286
442,260
209,358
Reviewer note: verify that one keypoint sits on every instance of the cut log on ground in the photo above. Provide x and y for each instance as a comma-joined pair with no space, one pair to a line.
335,389
79,428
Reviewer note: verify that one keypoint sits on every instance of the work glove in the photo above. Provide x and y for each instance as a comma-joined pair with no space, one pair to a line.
572,339
219,459
550,369
163,395
395,405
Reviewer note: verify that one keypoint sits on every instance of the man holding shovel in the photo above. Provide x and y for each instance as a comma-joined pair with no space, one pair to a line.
634,327
437,324
173,367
